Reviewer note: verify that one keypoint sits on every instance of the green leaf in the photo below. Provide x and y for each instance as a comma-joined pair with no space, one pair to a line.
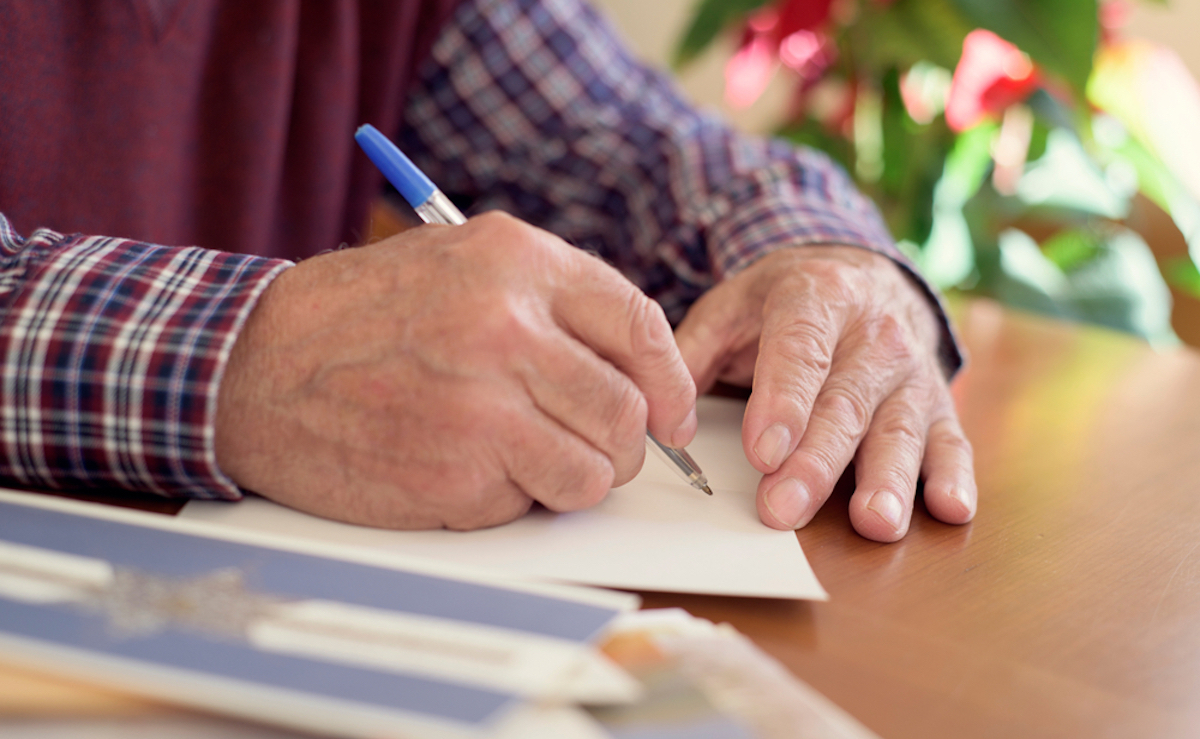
897,158
1071,249
710,18
913,162
1067,177
967,166
1155,181
907,32
950,256
1122,287
1183,274
1059,35
1037,141
1027,279
1118,286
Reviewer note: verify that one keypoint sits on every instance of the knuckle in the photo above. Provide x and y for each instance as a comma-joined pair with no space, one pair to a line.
848,408
505,330
891,339
466,486
505,238
498,507
948,436
593,490
582,485
627,424
899,480
901,431
626,467
649,331
807,347
839,283
827,463
504,318
497,221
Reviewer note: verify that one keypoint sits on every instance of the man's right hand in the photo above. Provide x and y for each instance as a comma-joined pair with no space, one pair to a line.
449,376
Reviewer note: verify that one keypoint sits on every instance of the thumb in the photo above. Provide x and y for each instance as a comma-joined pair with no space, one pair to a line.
721,328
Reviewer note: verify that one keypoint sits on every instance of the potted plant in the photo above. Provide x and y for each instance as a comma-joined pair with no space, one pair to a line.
1005,141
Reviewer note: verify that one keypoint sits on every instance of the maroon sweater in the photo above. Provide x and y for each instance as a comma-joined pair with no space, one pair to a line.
223,124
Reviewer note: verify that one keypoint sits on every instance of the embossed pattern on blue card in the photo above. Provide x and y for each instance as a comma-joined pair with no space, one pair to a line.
209,612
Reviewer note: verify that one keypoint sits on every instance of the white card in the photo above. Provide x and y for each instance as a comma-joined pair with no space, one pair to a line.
655,533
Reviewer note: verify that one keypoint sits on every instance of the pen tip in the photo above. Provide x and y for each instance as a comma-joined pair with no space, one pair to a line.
708,490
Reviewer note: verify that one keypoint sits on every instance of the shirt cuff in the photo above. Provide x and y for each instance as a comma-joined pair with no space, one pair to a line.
113,353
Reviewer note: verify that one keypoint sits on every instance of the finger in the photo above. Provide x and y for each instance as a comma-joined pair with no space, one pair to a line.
501,502
842,413
888,465
590,397
614,318
389,502
717,328
701,346
949,468
794,359
555,467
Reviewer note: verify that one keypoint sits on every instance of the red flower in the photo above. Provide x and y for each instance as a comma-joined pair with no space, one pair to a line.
991,75
785,31
748,72
1114,16
800,15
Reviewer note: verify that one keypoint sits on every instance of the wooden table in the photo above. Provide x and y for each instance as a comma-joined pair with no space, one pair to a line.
1071,606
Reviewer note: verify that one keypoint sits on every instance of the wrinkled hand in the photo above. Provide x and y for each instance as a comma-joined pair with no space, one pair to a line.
449,376
841,347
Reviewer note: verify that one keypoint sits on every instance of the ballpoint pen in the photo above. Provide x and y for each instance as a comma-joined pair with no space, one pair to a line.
432,205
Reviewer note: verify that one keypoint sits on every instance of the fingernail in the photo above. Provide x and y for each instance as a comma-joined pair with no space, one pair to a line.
686,431
788,502
773,445
887,506
964,500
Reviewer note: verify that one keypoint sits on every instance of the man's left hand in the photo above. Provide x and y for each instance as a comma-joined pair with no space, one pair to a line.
840,347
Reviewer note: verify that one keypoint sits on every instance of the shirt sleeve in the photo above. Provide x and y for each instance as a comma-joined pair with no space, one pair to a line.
112,356
534,107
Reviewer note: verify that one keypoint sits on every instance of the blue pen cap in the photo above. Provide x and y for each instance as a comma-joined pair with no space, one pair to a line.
397,168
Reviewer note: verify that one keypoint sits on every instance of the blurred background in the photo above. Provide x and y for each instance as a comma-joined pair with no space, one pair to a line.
652,28
1043,154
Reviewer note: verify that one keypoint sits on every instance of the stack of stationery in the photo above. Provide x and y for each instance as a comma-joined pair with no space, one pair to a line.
317,638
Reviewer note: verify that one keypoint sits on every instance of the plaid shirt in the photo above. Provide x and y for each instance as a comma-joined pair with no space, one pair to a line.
113,349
